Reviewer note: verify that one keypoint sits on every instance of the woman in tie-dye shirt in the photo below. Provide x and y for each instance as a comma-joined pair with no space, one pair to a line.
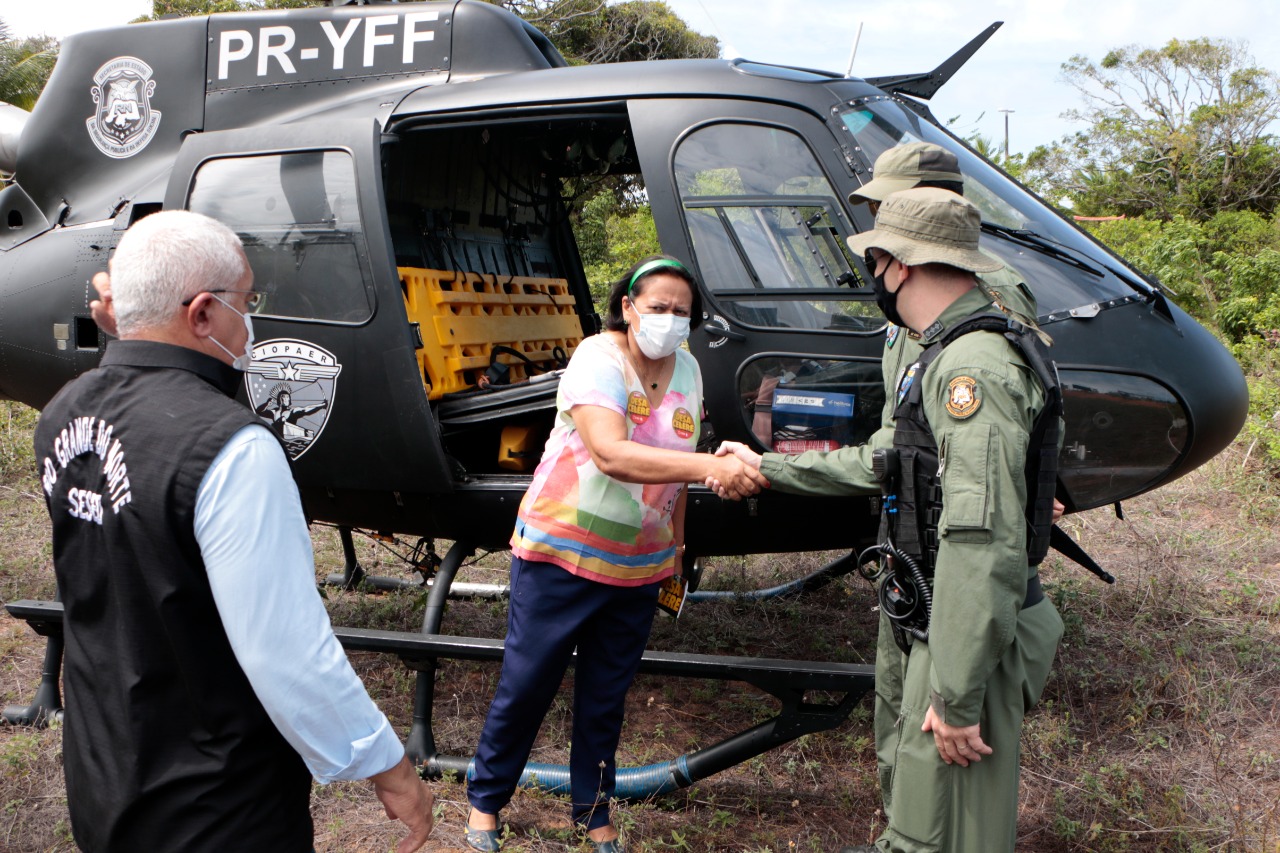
600,527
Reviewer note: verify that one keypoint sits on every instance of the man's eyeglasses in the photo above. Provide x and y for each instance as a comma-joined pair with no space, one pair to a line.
254,302
872,260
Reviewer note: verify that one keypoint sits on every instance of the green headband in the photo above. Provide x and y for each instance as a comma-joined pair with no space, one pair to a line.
650,267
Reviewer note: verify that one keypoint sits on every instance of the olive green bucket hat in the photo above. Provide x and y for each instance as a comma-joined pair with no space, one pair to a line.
903,167
928,226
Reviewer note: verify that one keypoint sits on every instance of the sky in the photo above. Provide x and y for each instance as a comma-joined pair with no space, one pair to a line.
1019,69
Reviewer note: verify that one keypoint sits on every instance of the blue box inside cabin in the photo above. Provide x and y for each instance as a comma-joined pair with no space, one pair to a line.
812,415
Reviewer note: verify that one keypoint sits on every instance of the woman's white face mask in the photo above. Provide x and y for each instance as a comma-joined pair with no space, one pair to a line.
659,335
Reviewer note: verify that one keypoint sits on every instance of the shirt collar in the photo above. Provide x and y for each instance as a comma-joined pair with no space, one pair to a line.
136,353
972,302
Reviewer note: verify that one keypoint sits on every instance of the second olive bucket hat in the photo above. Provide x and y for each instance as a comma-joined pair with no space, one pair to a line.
928,226
904,166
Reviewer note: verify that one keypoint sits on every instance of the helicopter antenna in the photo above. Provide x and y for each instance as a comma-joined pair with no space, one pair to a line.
852,56
926,84
715,26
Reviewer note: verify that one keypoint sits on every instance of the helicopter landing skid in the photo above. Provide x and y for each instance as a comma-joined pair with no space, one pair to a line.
789,681
353,575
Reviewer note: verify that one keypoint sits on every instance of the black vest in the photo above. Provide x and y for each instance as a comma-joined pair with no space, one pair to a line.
914,525
166,747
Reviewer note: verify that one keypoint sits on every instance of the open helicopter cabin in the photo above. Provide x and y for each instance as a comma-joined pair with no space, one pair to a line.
409,181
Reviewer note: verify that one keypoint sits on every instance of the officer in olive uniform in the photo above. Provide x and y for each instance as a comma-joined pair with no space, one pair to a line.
949,711
904,167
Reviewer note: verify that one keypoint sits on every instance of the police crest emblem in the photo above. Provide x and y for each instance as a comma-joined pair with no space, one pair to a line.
124,122
963,400
291,385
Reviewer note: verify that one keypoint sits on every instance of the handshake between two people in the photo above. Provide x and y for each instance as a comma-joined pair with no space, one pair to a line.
739,476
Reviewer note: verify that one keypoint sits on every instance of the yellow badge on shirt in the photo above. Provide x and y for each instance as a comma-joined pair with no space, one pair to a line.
638,407
963,400
682,423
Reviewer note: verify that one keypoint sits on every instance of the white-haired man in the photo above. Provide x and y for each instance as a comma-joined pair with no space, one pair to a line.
204,683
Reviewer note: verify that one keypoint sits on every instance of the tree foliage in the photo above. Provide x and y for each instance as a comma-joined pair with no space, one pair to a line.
591,31
1181,129
25,66
1223,270
190,8
611,239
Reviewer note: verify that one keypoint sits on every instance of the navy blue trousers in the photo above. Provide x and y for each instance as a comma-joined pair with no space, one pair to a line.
551,613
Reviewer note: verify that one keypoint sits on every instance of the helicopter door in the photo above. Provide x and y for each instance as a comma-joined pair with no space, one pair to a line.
791,342
335,377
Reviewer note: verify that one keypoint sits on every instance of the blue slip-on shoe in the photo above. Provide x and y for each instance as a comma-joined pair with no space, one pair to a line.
613,845
486,840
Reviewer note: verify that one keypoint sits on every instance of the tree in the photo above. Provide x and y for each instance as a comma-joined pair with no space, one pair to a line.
25,66
611,240
1178,129
189,8
590,31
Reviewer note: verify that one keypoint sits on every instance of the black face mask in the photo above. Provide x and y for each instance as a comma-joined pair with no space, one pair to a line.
888,302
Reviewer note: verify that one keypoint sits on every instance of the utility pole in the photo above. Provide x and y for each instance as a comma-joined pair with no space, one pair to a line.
1006,135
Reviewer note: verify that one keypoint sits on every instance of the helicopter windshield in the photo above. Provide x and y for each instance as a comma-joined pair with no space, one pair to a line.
1058,262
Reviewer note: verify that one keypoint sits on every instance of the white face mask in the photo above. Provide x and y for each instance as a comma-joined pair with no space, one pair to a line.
239,362
659,335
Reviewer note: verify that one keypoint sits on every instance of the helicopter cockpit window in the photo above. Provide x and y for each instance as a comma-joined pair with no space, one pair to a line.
1054,259
768,231
299,219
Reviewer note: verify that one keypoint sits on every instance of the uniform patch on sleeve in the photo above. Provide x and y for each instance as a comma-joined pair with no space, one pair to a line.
963,400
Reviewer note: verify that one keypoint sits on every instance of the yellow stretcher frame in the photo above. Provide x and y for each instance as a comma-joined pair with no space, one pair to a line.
463,316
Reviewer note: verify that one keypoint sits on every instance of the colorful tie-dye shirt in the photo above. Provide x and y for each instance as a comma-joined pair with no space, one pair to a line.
584,521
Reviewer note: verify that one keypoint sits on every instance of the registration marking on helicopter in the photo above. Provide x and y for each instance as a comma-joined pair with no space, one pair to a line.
335,44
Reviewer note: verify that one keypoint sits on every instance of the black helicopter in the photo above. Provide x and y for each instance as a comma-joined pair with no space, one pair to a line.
424,282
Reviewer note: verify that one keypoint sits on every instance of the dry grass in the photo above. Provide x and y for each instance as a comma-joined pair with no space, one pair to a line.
1158,730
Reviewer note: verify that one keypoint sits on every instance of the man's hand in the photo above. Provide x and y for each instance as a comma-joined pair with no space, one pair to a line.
738,475
406,798
733,479
956,744
740,450
1058,510
103,308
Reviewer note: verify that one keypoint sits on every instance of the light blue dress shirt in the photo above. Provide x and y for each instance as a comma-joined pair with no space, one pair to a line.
257,551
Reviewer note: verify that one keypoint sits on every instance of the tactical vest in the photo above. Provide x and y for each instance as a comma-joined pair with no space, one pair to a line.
914,526
166,747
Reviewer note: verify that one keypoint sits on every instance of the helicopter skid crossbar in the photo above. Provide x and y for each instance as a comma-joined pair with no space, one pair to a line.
787,680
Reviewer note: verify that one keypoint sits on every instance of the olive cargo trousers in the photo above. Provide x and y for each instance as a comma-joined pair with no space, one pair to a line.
932,806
